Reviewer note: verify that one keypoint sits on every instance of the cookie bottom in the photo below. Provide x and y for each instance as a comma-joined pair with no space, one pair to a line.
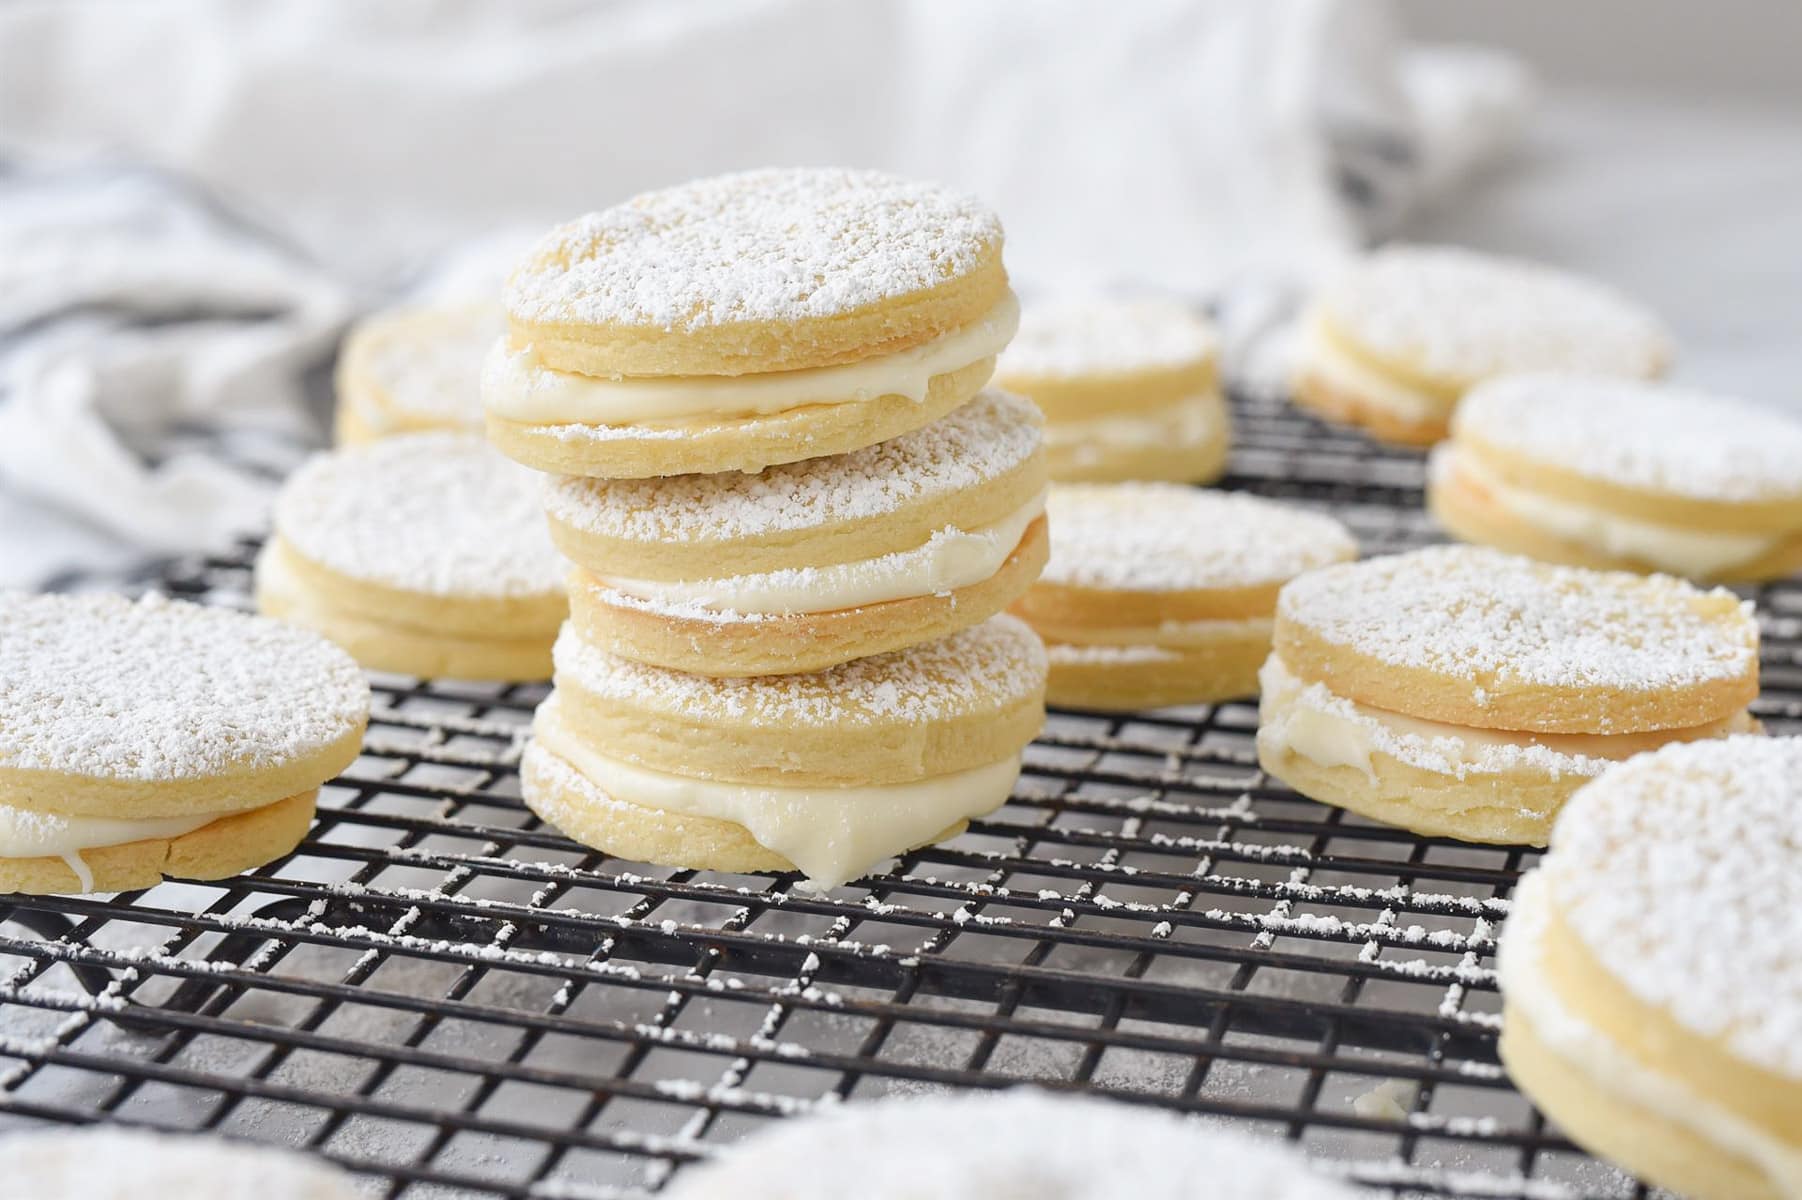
1337,403
792,643
216,850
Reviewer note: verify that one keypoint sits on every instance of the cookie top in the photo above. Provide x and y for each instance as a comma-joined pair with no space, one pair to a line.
420,368
439,514
1681,872
1018,1145
1456,316
1161,537
1077,338
763,270
632,526
1641,436
1471,636
105,1162
986,667
100,686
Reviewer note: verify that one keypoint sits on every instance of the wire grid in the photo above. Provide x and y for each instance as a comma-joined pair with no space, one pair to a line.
446,996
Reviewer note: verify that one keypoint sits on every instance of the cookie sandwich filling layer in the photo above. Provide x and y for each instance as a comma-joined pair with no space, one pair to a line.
1324,357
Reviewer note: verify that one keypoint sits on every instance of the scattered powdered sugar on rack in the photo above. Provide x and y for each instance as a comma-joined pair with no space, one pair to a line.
1472,613
1641,435
1010,1145
1681,871
428,362
767,245
438,513
105,687
1097,336
113,1162
1156,537
987,666
980,442
1457,313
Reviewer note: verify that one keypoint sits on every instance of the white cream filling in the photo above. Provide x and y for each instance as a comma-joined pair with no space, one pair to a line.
1320,356
1684,551
951,558
517,387
1169,635
1522,970
1310,720
833,834
26,833
1191,421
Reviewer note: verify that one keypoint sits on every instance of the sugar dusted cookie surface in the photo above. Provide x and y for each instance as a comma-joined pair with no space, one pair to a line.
414,369
112,1163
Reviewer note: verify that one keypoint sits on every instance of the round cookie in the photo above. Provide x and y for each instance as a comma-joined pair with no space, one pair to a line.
1160,594
815,563
159,738
1130,389
409,370
1396,340
1618,474
746,320
1652,972
1462,692
1022,1144
829,772
104,1162
424,554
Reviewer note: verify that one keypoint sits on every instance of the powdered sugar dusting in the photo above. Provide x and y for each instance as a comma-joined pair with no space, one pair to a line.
765,245
428,362
437,513
102,687
1681,871
981,441
987,666
1469,316
1472,613
1153,537
1017,1145
114,1163
1073,337
1641,435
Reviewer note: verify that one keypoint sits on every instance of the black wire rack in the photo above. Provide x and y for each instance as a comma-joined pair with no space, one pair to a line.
449,998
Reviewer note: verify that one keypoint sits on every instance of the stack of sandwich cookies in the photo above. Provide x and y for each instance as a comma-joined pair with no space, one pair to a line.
747,320
159,738
1393,343
1462,692
1160,594
1652,970
1130,389
411,370
828,772
815,563
424,554
1618,474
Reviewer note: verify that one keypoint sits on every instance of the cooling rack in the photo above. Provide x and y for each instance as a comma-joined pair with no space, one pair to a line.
450,999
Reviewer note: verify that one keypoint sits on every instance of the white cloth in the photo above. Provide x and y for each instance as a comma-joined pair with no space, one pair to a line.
1163,144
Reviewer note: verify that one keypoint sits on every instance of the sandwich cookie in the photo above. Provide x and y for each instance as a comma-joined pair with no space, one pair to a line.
110,1162
424,554
827,773
414,369
746,320
1394,342
1130,389
815,563
1016,1145
1462,692
1651,970
1618,474
159,738
1160,594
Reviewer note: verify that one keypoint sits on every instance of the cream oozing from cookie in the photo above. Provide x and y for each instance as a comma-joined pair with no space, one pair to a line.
832,834
1330,730
1687,551
950,559
517,387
